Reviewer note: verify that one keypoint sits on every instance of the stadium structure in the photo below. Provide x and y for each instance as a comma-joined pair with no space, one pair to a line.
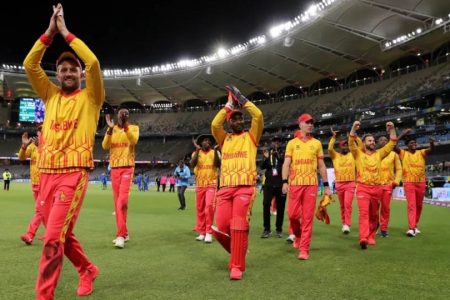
368,60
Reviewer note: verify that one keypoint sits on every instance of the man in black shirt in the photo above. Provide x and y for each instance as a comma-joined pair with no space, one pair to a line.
273,159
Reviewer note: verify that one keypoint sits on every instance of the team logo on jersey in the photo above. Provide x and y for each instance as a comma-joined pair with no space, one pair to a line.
297,147
62,197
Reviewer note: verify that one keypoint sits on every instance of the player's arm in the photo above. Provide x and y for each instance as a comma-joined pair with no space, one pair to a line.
359,143
285,173
331,143
404,133
132,132
354,149
94,79
286,167
383,152
194,158
25,151
324,175
32,64
257,126
217,157
398,170
217,124
106,143
323,169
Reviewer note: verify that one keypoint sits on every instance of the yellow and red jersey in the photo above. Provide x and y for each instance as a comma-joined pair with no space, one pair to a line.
344,164
238,165
121,145
70,122
413,165
304,154
368,165
31,152
205,171
391,170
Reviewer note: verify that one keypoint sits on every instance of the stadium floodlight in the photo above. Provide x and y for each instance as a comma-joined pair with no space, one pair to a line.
275,32
261,40
222,53
312,10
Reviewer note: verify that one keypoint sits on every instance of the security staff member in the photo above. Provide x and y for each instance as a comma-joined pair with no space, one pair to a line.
273,159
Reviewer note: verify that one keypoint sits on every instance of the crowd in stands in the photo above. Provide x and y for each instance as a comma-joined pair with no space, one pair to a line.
286,109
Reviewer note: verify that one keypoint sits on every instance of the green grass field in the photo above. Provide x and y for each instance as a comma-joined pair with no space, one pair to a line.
163,261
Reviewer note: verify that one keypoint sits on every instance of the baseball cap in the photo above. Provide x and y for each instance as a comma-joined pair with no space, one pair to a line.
305,118
233,113
67,55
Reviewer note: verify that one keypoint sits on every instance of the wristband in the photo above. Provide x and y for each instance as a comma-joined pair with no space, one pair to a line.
70,37
326,183
284,181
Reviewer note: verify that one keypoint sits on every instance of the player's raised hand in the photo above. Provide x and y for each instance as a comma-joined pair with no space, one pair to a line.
52,26
333,132
60,22
26,140
109,121
389,126
194,141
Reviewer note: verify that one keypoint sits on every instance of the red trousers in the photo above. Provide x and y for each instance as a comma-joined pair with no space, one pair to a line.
368,197
414,192
61,199
301,207
205,209
273,207
121,180
385,211
37,218
234,205
346,191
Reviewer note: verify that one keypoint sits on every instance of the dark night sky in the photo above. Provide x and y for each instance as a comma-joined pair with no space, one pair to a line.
129,35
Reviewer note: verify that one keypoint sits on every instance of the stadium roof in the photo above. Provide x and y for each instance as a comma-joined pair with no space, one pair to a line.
347,35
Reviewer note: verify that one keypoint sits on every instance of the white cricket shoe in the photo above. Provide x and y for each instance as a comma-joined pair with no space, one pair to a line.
411,233
417,231
290,239
345,229
201,237
127,238
208,238
120,242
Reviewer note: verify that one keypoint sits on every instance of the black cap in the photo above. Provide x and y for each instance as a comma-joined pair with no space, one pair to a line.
201,137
